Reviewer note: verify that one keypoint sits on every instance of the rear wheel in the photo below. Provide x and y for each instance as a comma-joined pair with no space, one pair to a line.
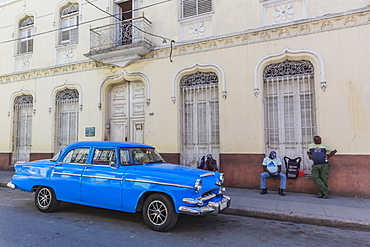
159,213
45,200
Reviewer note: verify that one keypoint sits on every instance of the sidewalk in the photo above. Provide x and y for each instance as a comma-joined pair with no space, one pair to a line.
294,207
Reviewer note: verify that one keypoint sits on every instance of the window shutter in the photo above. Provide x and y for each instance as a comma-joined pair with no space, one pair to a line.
23,34
22,47
189,8
65,22
30,45
65,36
69,33
204,6
74,35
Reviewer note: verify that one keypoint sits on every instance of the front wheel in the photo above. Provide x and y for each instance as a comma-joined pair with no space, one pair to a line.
159,213
45,200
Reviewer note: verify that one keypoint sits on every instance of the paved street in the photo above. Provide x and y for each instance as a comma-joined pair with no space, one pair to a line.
74,225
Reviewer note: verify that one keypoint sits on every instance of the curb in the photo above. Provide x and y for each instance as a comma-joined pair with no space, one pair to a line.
3,184
298,219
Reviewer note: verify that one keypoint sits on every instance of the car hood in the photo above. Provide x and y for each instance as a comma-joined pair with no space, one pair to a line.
174,169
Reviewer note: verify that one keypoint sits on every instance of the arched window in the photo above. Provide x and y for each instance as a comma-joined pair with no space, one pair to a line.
66,117
22,128
289,107
69,24
26,29
200,117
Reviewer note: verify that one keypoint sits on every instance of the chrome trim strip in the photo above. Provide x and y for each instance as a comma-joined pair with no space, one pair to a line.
152,182
68,174
205,198
88,176
208,174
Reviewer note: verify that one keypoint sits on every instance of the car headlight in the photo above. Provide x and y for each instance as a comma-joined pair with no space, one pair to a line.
222,178
198,185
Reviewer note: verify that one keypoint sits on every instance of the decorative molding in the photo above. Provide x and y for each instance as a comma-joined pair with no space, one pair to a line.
196,67
51,71
123,75
59,5
196,30
63,86
25,64
286,30
25,12
6,2
18,93
284,12
68,55
288,51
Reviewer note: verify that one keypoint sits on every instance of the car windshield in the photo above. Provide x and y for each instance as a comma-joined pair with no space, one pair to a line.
55,158
139,156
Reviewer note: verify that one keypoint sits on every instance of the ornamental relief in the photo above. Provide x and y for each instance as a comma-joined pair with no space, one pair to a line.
50,71
282,31
284,12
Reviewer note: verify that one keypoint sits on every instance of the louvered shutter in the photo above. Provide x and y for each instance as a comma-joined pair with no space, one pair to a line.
195,7
204,6
189,8
69,33
65,33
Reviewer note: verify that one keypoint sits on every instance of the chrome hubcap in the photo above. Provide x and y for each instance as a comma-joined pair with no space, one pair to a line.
157,212
44,198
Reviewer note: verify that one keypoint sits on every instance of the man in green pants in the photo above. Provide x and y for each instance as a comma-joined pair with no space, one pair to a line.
319,153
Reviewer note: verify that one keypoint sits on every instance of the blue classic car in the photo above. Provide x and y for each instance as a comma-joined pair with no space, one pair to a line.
122,176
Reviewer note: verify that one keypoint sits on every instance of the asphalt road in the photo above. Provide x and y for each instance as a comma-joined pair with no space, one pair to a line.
21,224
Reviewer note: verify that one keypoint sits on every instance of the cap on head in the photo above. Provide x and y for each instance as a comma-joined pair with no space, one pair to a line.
209,156
273,154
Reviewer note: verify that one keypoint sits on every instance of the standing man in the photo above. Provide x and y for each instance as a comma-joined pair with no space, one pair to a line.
319,153
272,169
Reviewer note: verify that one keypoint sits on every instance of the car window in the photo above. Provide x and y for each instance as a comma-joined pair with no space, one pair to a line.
104,156
131,156
78,155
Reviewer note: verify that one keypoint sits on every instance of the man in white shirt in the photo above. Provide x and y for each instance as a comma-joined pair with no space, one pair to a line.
272,169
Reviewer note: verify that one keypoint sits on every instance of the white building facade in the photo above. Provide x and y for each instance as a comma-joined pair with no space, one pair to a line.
235,79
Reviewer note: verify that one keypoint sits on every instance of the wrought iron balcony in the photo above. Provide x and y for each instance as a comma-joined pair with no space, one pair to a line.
120,43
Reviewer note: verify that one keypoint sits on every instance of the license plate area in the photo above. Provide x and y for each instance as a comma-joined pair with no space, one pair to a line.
223,204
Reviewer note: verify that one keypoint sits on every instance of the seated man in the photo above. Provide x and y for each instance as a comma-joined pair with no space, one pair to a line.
272,167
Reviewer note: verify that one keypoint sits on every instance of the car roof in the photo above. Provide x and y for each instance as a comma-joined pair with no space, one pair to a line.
110,144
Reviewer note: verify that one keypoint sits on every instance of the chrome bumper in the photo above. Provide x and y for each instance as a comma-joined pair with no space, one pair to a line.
210,208
11,185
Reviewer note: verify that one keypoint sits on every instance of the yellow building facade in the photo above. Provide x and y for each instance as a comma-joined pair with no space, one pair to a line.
235,79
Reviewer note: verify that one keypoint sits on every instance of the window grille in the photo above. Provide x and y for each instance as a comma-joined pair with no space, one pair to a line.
69,24
195,7
26,35
22,128
200,117
290,111
66,118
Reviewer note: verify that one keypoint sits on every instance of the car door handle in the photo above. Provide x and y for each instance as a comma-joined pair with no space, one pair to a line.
88,166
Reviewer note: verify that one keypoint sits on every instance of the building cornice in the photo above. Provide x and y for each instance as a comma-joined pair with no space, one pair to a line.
326,23
51,71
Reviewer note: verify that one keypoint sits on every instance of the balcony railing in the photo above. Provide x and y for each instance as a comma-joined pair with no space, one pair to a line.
124,33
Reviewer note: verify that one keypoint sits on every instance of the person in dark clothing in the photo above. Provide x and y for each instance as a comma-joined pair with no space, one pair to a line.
319,153
211,164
